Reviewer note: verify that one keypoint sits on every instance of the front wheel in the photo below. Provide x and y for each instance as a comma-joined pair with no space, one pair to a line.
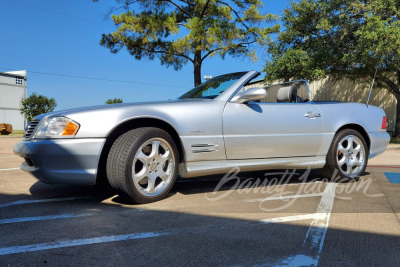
142,164
347,156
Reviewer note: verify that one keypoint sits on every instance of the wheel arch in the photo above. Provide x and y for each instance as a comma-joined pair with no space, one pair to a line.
359,128
134,123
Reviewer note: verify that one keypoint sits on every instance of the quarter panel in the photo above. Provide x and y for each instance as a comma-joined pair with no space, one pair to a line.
337,115
379,143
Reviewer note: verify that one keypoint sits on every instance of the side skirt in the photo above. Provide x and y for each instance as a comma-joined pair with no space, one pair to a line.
200,168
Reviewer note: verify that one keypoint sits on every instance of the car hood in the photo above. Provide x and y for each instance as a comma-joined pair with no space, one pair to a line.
119,106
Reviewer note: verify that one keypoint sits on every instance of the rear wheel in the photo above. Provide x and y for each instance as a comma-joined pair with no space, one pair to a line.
347,156
142,164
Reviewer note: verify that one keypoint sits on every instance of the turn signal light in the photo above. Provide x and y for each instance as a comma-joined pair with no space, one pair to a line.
70,129
384,123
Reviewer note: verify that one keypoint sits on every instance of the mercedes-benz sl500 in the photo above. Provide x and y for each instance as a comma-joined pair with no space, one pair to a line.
226,122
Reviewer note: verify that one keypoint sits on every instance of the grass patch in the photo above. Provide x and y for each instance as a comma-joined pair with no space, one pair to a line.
15,133
395,140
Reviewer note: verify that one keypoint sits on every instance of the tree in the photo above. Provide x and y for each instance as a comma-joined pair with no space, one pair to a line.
340,38
114,101
180,31
35,105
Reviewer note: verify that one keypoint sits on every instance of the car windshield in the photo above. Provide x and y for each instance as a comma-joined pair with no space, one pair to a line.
213,87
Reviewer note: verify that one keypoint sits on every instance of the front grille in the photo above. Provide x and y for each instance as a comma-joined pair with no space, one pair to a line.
31,127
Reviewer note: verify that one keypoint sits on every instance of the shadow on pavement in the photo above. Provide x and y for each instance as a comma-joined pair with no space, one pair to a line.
186,186
180,239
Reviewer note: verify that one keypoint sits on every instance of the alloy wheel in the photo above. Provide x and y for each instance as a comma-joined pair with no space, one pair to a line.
153,167
350,155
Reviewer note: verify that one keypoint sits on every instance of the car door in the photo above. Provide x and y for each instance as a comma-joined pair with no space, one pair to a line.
272,130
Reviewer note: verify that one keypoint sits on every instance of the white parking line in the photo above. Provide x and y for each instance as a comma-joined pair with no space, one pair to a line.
290,218
30,201
317,231
284,197
44,218
314,241
10,169
78,242
64,216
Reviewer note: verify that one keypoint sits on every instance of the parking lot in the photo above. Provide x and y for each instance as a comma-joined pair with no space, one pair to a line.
271,218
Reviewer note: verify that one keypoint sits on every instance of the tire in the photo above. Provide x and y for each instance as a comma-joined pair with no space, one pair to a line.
142,164
344,160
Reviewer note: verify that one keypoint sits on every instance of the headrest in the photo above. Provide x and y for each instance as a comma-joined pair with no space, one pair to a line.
287,94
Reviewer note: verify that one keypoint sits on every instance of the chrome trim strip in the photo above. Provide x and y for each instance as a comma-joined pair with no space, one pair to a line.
277,134
203,145
204,150
201,168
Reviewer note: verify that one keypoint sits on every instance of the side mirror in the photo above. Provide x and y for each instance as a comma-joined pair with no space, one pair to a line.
252,94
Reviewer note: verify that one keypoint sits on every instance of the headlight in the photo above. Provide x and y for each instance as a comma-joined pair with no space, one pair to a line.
57,127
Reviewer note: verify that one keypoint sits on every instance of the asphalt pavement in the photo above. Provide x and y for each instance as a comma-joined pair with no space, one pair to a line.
271,218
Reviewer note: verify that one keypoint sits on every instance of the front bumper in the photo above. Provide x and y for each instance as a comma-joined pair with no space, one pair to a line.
61,161
379,143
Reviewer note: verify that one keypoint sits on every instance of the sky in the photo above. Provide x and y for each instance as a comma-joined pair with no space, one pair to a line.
62,37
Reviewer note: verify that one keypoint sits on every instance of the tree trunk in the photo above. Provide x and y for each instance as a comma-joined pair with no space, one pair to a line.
396,132
197,68
394,88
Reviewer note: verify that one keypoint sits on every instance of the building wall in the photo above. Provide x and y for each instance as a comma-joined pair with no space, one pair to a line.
12,89
347,90
344,90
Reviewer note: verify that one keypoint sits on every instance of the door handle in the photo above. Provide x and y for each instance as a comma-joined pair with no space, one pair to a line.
312,115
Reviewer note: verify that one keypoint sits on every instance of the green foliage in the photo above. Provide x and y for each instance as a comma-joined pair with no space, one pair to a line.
189,30
35,105
340,38
114,101
337,37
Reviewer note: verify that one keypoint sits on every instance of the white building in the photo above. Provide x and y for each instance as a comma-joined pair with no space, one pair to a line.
12,90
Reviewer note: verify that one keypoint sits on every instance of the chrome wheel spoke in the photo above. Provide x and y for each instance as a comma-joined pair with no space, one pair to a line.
143,157
150,186
164,175
349,168
358,161
342,149
350,141
357,164
342,161
357,149
137,177
166,156
155,148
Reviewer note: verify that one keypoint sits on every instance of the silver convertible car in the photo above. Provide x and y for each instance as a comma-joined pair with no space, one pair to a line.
226,122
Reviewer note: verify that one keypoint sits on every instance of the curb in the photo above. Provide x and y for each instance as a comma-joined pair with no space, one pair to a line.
393,147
